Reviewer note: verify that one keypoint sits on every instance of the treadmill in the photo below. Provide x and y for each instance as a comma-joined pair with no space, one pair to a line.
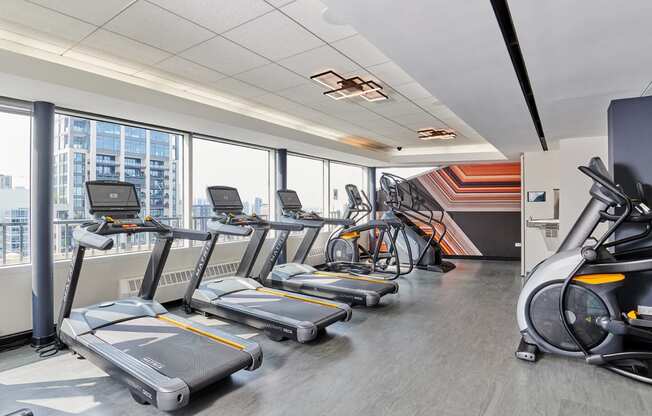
163,358
240,298
303,278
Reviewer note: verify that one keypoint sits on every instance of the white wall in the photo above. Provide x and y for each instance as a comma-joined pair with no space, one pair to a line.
101,275
540,173
575,152
557,169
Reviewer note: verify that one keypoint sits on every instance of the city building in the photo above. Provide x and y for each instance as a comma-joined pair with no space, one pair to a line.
14,220
98,150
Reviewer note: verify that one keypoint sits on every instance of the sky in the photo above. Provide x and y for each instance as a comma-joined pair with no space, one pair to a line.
14,147
247,169
216,163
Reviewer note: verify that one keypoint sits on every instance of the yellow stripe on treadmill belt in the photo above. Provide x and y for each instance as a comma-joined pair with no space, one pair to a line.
348,276
197,331
287,295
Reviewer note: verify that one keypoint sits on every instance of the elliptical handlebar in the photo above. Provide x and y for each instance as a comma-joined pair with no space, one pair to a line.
618,195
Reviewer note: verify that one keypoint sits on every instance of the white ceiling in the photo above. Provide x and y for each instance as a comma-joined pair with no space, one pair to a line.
455,50
580,57
261,51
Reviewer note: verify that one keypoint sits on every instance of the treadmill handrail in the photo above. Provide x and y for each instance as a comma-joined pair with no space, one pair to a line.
216,227
189,234
91,240
285,226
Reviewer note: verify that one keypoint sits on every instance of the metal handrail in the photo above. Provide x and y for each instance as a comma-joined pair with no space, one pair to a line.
64,245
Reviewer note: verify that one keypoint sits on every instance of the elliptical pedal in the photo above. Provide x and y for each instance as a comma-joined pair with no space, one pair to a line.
526,352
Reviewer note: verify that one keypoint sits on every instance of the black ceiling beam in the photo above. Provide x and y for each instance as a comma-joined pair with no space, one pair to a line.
506,24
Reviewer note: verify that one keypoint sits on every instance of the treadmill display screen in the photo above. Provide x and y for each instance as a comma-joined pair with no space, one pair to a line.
112,196
289,199
225,199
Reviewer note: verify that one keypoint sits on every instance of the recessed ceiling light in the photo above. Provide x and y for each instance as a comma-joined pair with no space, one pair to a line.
436,134
341,88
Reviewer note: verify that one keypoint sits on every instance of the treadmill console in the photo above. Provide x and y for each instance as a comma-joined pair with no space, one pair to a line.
117,199
116,208
228,207
291,206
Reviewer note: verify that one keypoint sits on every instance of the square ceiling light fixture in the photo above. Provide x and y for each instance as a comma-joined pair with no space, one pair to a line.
436,134
341,87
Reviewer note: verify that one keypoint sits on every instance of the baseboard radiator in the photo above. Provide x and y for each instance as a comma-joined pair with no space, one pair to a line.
173,284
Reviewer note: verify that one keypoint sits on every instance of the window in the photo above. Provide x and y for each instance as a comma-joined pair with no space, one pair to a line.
119,153
340,176
244,168
306,177
14,187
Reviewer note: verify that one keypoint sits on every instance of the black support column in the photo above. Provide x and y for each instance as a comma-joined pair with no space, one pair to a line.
373,199
281,183
41,223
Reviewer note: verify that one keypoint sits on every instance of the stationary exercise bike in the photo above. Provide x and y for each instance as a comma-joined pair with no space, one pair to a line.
344,251
569,304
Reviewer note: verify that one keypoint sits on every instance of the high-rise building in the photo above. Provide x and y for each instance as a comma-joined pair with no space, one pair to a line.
99,150
14,220
6,182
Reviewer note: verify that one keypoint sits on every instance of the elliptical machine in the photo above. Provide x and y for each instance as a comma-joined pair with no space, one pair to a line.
344,251
569,304
411,206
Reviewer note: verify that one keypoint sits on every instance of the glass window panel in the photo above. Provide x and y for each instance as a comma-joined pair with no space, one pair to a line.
217,163
115,152
340,176
14,188
306,177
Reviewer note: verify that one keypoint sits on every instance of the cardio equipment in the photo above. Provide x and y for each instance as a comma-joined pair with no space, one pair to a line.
163,358
412,207
583,279
344,251
240,298
302,278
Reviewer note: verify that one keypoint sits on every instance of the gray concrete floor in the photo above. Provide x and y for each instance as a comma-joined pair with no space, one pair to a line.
443,346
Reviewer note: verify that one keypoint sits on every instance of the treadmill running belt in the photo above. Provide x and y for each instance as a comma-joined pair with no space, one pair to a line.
334,281
174,351
283,306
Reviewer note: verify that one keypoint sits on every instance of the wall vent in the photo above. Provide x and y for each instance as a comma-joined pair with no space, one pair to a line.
130,287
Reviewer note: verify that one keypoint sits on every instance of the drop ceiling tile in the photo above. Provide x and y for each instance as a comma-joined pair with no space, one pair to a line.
319,60
426,102
45,40
148,23
217,15
361,50
274,36
279,3
44,20
305,93
420,121
121,47
276,102
396,109
272,78
190,70
413,91
390,73
224,56
95,12
310,14
238,88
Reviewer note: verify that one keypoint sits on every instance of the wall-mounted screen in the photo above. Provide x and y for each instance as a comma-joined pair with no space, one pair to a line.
536,196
